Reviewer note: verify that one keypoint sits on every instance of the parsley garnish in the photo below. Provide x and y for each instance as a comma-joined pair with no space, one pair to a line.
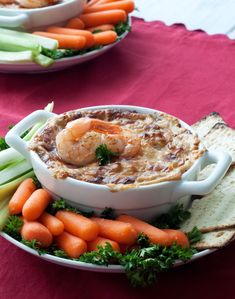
3,144
104,155
103,256
108,213
13,226
194,235
173,219
34,244
61,204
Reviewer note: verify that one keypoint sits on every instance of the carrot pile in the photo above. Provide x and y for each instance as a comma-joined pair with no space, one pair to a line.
95,27
76,234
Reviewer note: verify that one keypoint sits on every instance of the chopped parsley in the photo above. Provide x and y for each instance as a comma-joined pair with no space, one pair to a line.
104,155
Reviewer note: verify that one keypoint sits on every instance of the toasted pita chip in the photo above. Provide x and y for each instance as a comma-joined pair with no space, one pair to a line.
221,137
215,211
203,126
213,240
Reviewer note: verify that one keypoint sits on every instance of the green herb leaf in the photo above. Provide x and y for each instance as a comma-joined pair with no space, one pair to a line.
143,265
34,244
108,213
173,219
122,28
60,253
194,235
103,256
96,31
143,240
104,155
3,144
61,204
13,226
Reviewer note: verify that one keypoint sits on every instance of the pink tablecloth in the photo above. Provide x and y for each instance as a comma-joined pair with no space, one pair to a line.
188,74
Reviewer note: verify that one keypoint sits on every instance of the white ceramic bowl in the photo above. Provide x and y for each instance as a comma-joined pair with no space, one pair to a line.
145,201
41,17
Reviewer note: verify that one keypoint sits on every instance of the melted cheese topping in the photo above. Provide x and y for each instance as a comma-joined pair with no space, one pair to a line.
167,150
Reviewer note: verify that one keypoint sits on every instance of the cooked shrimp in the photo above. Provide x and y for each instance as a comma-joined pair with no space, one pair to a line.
77,143
35,3
7,1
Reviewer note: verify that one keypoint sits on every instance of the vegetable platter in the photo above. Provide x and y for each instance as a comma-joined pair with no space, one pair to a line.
97,30
47,228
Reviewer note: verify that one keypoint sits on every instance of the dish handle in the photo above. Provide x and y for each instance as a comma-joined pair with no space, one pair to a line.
14,21
222,160
13,138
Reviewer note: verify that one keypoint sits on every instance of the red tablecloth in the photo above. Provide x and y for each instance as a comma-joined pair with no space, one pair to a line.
188,74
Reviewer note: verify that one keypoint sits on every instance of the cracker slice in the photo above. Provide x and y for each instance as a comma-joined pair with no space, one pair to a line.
215,211
221,137
204,125
213,240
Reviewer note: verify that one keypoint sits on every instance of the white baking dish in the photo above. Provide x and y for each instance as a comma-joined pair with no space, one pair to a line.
36,18
144,201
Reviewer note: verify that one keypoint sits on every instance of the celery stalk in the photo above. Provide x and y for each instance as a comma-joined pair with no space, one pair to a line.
13,57
37,126
43,60
10,155
14,170
45,42
4,202
9,188
15,44
4,214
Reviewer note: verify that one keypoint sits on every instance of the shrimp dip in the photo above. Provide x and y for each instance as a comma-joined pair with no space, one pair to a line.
144,148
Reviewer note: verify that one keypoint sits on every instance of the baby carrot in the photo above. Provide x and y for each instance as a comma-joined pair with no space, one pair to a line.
78,225
36,204
65,41
123,233
75,23
33,230
126,5
105,38
177,236
104,27
55,226
76,32
99,241
104,17
156,235
105,1
23,192
72,246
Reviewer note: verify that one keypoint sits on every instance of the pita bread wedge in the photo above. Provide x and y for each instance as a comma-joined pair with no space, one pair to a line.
215,211
213,240
221,137
203,126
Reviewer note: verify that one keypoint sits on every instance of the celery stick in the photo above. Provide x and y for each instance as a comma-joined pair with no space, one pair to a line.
9,188
4,214
43,60
9,156
9,57
14,170
36,127
45,42
15,44
4,202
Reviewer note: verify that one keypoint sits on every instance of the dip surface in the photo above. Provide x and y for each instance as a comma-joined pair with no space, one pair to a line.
167,149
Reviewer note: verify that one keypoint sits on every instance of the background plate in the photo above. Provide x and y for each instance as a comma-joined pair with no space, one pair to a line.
60,64
86,266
